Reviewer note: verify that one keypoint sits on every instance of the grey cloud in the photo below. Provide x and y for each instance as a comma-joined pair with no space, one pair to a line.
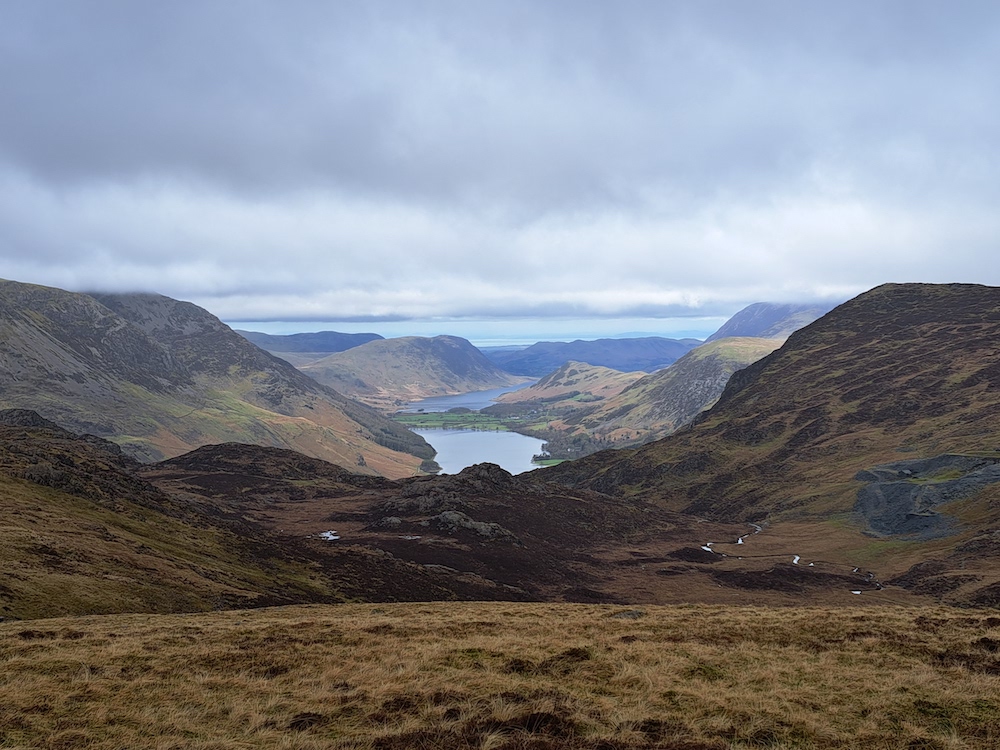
379,160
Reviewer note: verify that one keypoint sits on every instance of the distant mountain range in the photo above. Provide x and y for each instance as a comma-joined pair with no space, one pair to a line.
325,342
388,373
160,377
626,355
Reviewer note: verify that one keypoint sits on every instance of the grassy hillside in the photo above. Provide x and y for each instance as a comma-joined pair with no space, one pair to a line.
84,531
514,676
901,373
161,377
82,534
572,380
391,372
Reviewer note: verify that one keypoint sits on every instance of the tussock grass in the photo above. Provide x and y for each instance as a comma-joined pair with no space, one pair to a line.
471,675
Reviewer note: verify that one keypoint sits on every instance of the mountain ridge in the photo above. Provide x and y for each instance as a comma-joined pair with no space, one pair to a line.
769,320
162,376
625,355
388,373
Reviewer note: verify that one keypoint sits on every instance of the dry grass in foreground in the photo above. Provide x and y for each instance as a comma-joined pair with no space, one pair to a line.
490,676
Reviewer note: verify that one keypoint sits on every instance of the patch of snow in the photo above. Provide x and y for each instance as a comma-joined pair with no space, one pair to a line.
409,537
740,540
795,559
856,592
330,536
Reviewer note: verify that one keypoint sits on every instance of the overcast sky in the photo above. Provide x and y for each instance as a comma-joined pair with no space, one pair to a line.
546,160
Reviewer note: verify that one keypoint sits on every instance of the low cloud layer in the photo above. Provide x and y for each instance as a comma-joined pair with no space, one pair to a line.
386,160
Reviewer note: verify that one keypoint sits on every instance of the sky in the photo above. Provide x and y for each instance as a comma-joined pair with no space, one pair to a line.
502,168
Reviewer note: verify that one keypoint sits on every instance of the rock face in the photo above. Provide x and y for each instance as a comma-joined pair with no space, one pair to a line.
903,497
160,377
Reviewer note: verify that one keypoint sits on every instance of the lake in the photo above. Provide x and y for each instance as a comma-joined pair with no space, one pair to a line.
474,400
460,448
457,449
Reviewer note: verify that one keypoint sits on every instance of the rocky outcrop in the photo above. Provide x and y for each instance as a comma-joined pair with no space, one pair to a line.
903,497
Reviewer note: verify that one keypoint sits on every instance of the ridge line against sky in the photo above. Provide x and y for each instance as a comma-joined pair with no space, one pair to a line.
523,164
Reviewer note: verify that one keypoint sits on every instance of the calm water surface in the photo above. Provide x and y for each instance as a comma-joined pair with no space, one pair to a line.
460,448
474,400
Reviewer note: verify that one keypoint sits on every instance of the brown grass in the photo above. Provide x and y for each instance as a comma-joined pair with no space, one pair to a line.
469,675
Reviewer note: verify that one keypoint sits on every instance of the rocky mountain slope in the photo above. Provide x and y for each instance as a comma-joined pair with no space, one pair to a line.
840,425
390,372
160,377
667,399
626,355
769,320
605,409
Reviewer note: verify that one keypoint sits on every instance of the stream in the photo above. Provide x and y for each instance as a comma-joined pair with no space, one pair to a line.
869,576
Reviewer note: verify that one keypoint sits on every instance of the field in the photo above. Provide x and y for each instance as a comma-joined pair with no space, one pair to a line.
491,676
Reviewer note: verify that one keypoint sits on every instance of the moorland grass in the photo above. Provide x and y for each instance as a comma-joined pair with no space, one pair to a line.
500,675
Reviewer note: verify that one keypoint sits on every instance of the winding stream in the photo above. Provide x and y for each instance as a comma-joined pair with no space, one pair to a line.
869,576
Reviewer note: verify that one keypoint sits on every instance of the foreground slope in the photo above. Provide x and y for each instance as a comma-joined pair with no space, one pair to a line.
161,376
469,676
389,372
81,534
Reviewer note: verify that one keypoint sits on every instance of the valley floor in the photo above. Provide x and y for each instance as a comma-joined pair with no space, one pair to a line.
505,675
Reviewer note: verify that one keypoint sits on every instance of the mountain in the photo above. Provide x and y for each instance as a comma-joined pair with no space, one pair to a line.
160,377
579,410
663,401
667,399
877,421
769,320
302,348
391,372
320,341
626,355
574,381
